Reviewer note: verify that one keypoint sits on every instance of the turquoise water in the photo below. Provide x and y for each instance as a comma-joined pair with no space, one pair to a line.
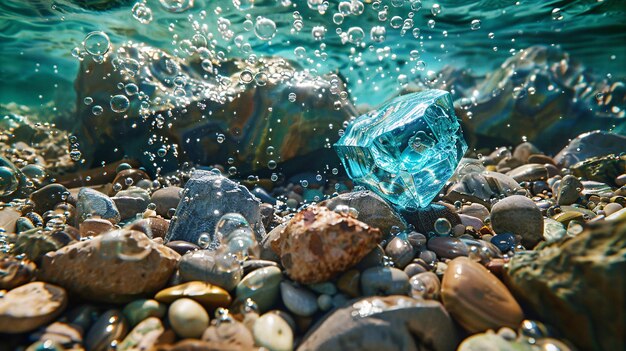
37,38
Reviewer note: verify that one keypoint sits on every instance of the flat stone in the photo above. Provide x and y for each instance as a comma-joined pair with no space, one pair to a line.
111,327
94,227
529,173
373,210
298,300
384,323
406,150
477,299
317,244
30,306
117,266
206,197
447,247
166,199
68,335
518,215
384,281
129,177
475,210
209,296
201,265
588,145
94,203
577,285
483,188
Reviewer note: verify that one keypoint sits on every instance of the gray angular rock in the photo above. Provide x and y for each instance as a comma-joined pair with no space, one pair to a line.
569,190
483,187
382,324
588,145
518,215
373,210
94,203
206,197
131,201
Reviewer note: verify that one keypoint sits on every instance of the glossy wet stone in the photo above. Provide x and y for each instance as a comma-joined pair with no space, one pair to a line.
202,265
400,251
272,332
425,285
94,203
262,286
483,188
15,272
518,215
141,309
349,283
476,298
569,190
68,335
298,300
111,327
188,318
588,145
30,306
384,323
143,337
447,247
166,199
209,296
233,334
405,150
384,281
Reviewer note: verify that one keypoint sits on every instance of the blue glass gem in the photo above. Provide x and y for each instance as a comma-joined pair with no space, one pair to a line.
406,150
505,242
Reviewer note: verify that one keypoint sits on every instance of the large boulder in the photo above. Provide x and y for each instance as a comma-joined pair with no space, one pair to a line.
207,111
384,323
578,285
206,198
117,266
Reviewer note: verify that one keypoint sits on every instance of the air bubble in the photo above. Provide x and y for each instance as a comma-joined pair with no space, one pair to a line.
142,13
264,28
119,103
475,25
97,43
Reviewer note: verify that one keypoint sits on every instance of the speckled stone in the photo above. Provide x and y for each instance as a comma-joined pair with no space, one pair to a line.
94,203
477,299
94,227
15,272
143,337
520,216
318,243
234,334
30,306
384,281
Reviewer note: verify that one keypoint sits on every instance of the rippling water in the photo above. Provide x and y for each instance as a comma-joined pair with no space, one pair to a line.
37,38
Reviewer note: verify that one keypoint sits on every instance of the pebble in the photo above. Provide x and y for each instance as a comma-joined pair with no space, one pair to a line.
166,199
298,300
553,230
611,208
15,272
206,197
317,244
621,180
505,242
143,337
414,268
46,197
424,218
202,265
94,227
141,309
524,150
153,227
91,269
68,335
8,219
540,159
518,215
325,302
470,221
94,203
232,334
110,328
477,299
272,332
384,281
447,247
349,283
30,306
483,187
569,190
209,296
262,286
425,285
182,247
400,251
531,172
327,288
131,201
188,318
372,209
135,175
384,323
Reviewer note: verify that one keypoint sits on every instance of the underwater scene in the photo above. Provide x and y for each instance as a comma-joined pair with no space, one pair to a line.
275,175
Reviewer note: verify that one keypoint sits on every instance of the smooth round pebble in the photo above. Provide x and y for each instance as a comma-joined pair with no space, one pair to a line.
384,281
425,285
518,215
30,306
188,318
298,300
262,286
400,251
111,327
139,310
273,332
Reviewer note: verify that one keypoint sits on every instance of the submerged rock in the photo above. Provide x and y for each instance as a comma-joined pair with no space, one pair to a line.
578,285
206,197
406,150
30,306
113,267
245,117
588,145
384,324
317,244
